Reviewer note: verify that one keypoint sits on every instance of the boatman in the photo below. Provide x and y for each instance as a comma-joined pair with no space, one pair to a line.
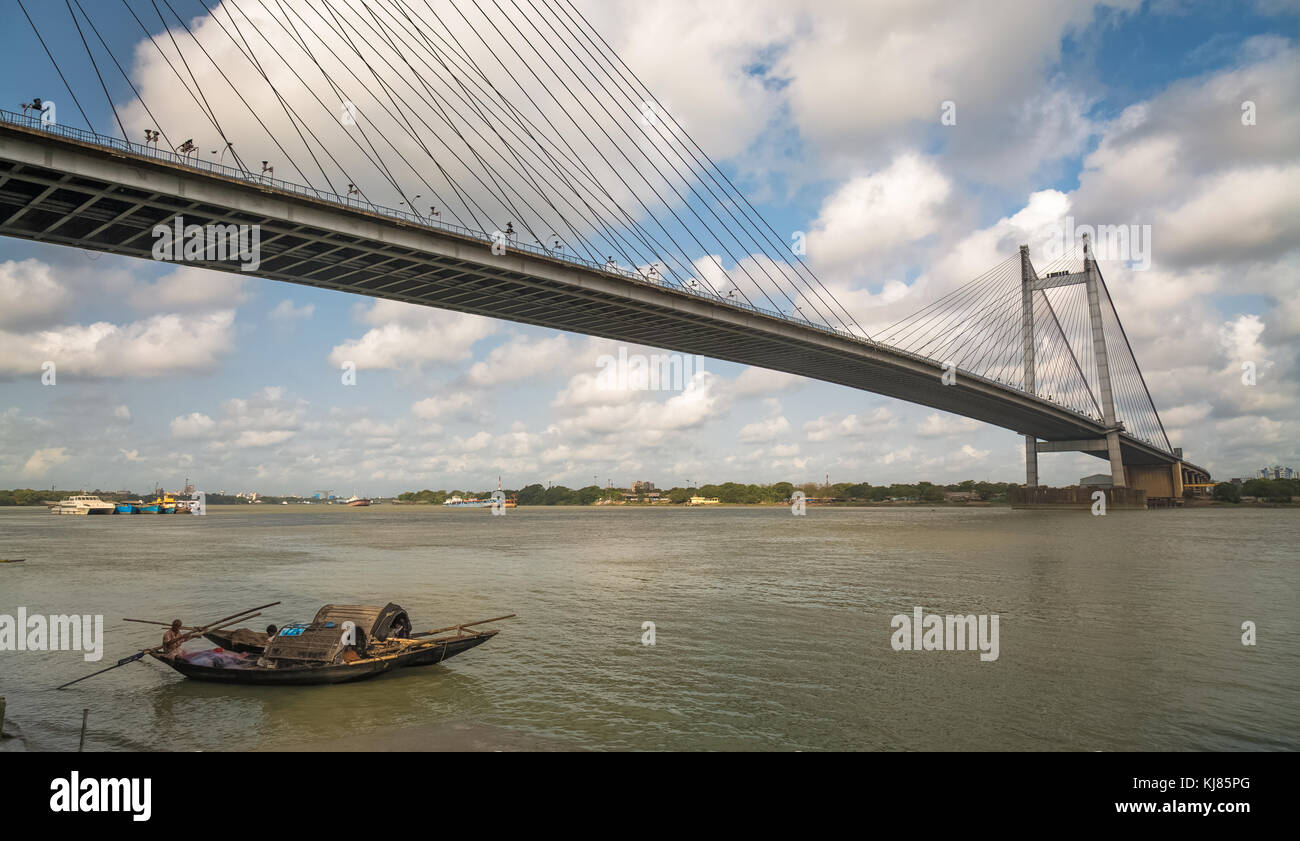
271,631
173,639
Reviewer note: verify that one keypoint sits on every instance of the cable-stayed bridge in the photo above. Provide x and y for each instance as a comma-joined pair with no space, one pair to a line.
541,209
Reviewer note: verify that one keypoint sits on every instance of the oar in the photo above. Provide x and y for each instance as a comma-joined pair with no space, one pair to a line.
121,662
462,625
233,619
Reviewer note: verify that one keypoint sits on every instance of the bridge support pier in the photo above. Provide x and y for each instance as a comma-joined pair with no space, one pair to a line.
1031,461
1117,479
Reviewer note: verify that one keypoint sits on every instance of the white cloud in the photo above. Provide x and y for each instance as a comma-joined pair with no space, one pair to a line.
30,295
878,213
765,430
193,425
191,289
452,403
521,358
827,428
408,336
941,426
45,460
158,346
286,311
764,382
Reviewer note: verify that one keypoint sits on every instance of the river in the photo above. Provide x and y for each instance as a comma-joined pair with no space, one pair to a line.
771,631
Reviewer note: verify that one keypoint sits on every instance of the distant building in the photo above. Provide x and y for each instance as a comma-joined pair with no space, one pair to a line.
639,487
1277,472
1096,480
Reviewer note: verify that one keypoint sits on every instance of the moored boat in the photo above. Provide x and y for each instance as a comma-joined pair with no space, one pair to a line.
357,502
342,643
161,504
83,504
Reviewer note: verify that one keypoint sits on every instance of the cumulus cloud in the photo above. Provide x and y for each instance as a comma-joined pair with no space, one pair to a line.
521,358
873,214
762,431
44,460
193,425
30,295
161,345
409,336
286,311
764,382
191,289
451,403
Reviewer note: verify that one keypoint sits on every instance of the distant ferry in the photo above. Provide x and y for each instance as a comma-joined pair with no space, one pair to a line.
83,504
457,502
357,502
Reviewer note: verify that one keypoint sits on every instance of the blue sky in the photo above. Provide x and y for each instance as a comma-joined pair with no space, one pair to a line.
1118,113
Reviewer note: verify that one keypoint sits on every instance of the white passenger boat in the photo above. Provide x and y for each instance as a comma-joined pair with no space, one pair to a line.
83,504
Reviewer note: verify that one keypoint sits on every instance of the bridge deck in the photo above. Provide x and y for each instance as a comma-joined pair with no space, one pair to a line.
61,189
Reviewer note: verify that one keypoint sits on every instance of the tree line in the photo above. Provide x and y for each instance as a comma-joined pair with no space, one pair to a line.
1270,490
731,492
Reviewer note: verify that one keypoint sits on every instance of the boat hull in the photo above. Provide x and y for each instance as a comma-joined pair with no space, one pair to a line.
297,676
432,653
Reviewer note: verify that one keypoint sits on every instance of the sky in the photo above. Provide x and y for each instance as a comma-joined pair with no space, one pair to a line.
914,145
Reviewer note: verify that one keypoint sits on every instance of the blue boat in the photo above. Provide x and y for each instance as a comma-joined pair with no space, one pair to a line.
150,508
125,508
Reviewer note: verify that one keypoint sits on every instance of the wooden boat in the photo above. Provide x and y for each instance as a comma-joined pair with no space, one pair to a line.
342,643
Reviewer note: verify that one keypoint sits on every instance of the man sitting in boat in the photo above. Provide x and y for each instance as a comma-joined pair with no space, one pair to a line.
271,631
173,639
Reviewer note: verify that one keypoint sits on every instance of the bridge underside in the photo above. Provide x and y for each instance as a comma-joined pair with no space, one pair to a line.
62,191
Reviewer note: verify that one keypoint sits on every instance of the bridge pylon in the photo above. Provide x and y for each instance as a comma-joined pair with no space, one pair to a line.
1090,277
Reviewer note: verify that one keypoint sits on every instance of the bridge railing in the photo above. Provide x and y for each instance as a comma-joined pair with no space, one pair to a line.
192,161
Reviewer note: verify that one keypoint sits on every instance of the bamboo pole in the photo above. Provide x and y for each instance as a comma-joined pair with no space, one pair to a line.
462,625
164,624
203,628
